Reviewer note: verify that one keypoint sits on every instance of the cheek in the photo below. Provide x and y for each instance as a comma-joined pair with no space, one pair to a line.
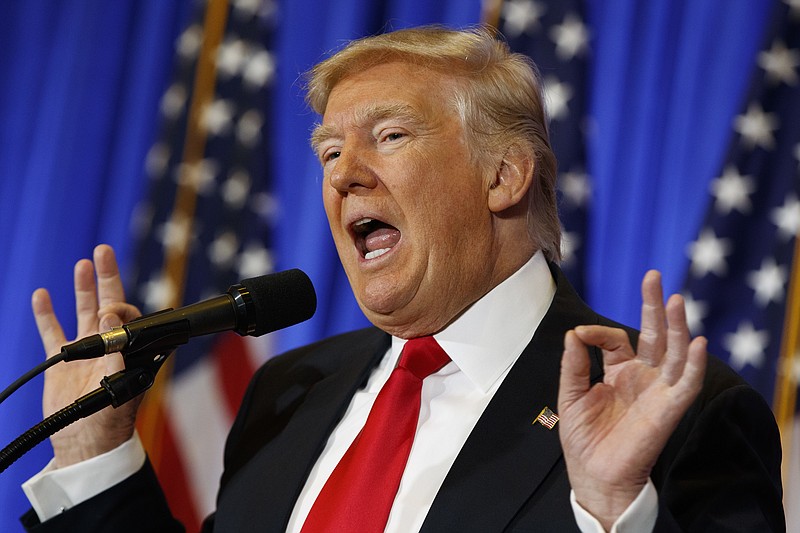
331,200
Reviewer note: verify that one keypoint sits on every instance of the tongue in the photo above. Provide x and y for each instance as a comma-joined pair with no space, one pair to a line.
381,238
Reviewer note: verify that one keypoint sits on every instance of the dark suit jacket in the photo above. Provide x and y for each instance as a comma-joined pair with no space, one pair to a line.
720,471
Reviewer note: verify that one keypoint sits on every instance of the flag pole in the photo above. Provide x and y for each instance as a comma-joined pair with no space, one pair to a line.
490,13
785,398
151,416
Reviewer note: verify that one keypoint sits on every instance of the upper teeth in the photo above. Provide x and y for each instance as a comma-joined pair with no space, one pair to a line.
363,221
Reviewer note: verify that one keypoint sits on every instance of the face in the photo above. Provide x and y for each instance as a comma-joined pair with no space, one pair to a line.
406,203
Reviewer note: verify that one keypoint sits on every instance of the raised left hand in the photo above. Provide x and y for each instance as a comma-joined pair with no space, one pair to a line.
613,432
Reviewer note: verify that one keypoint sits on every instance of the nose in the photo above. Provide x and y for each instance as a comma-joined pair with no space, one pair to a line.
352,173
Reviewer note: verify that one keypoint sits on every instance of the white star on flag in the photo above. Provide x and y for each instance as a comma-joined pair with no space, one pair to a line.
797,155
248,129
570,241
696,312
173,100
216,117
757,127
236,188
556,97
708,254
571,37
576,187
223,249
157,160
732,191
175,233
255,260
768,282
522,16
231,56
189,42
787,217
200,176
157,293
780,63
746,346
259,70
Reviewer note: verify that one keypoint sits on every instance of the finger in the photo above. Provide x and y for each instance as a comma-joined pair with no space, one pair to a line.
652,337
109,281
113,362
124,311
574,380
691,381
614,342
50,330
85,298
677,340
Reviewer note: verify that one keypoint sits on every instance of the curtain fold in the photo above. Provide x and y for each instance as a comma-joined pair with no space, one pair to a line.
668,77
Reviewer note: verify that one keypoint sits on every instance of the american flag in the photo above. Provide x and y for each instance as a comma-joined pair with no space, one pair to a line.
547,418
556,37
204,226
743,261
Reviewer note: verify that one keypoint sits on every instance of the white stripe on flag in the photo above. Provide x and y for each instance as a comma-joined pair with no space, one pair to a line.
197,411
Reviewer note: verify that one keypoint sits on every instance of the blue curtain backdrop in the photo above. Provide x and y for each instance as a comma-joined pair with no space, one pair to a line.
81,84
79,97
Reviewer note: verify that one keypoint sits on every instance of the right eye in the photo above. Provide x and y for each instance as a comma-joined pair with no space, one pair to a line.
330,155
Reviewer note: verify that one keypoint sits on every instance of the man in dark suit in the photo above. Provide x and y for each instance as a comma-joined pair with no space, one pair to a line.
439,186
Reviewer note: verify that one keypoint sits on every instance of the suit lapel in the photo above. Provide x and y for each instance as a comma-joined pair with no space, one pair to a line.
507,456
261,496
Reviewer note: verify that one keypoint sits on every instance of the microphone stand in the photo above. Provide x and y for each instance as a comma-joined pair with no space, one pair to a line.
144,355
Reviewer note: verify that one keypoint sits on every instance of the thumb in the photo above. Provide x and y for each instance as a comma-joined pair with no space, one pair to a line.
109,321
113,362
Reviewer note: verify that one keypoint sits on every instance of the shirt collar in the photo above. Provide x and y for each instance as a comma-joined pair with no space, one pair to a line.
492,333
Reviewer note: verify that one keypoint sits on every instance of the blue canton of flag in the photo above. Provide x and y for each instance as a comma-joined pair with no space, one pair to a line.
554,35
206,225
741,261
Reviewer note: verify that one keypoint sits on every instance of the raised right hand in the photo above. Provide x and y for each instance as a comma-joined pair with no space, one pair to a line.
100,305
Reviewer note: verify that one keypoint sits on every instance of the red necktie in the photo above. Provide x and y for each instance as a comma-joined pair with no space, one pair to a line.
360,492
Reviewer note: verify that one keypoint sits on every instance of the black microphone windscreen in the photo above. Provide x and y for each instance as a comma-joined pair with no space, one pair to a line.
281,300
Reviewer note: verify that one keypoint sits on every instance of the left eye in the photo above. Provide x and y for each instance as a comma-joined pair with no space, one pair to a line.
393,136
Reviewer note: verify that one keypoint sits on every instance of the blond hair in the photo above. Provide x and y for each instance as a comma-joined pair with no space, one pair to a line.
498,97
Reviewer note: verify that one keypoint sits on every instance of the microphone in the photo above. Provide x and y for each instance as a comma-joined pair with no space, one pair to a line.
254,307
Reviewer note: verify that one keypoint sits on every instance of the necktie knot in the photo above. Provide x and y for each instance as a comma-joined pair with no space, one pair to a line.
423,356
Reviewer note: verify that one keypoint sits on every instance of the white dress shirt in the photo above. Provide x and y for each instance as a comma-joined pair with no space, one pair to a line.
483,344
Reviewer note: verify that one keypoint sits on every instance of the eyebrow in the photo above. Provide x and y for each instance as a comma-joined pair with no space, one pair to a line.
367,115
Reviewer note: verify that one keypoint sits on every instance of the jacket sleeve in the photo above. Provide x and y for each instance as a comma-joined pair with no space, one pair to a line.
134,505
720,471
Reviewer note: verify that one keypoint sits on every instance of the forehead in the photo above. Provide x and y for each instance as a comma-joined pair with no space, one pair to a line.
388,90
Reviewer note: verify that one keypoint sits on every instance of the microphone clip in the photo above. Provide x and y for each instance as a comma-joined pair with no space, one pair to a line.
147,349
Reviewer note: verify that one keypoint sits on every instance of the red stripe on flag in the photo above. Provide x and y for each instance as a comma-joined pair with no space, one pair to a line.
172,475
234,368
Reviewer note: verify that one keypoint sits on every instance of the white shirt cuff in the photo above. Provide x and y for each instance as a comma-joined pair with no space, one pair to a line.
640,515
54,490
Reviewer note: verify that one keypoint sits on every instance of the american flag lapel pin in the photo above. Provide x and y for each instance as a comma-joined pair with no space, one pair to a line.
547,418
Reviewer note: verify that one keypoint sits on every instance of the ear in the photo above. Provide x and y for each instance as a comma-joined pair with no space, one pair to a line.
512,180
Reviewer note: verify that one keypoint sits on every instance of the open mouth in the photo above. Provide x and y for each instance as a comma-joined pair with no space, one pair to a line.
374,237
